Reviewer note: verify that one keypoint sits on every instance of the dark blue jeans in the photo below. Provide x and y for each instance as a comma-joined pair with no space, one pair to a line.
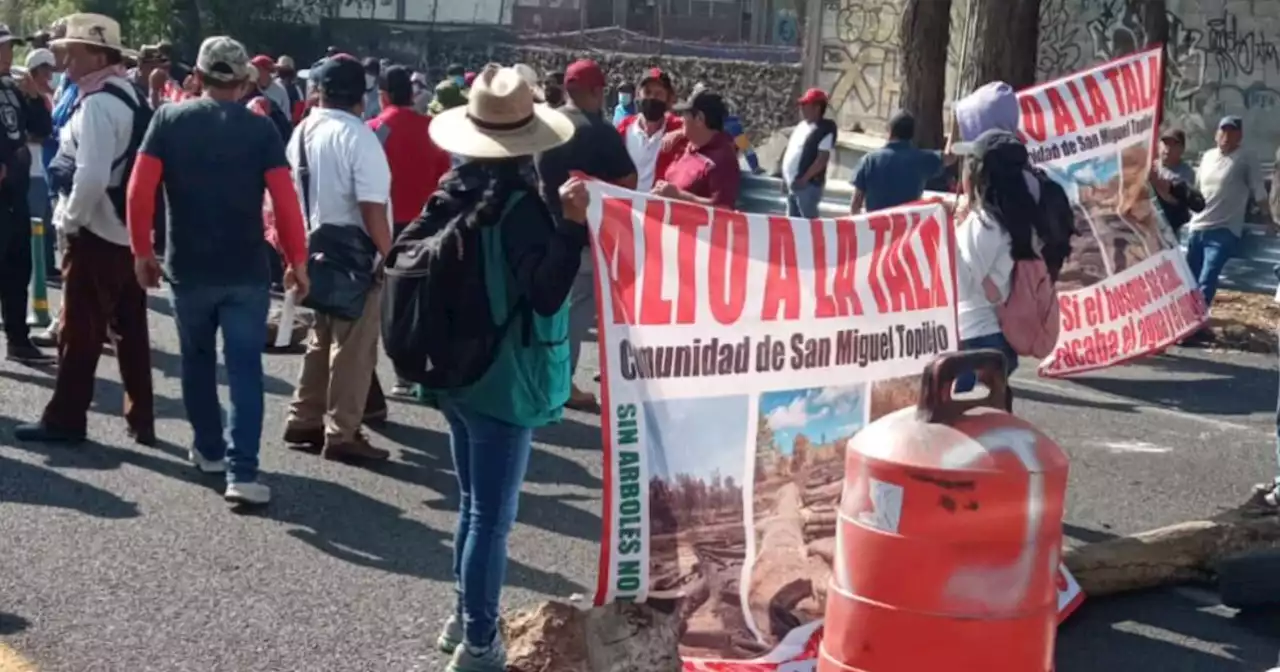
490,458
241,314
1208,251
996,341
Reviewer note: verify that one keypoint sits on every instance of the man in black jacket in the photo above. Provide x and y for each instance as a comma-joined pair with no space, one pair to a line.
23,116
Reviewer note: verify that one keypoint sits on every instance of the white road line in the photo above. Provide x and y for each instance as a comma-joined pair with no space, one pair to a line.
1104,398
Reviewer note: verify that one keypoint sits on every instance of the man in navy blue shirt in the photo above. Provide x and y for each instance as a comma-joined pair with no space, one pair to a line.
896,173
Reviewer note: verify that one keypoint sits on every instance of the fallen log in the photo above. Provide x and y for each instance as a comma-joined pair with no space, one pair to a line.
1180,553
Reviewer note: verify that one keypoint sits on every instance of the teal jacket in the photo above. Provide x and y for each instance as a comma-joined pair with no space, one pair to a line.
530,264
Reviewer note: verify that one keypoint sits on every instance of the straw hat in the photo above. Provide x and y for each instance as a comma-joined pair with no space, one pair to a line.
501,120
92,29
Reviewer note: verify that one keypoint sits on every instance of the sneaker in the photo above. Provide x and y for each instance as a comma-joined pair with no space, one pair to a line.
47,338
492,658
206,465
252,494
450,636
25,352
404,389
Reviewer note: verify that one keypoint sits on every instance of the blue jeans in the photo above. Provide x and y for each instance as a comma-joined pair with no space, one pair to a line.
965,381
1208,251
804,202
241,313
42,209
490,458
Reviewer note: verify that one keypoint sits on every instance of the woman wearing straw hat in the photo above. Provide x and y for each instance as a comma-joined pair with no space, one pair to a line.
491,422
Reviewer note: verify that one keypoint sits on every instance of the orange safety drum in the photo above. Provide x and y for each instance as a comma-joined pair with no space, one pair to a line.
949,536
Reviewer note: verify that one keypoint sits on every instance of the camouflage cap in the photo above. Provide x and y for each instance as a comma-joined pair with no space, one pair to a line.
223,59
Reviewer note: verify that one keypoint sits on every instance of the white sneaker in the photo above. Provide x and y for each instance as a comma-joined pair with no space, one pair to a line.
247,493
204,464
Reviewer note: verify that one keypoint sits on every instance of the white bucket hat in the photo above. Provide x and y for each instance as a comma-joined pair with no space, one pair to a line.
501,120
92,29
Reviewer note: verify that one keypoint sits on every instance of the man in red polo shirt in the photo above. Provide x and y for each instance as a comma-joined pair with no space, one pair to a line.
707,173
643,132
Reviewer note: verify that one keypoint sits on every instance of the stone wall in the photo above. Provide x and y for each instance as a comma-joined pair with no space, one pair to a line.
1225,53
761,94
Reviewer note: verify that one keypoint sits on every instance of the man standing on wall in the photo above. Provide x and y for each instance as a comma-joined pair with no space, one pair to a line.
804,164
896,173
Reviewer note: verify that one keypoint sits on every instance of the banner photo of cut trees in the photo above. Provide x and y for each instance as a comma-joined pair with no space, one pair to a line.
741,352
1126,290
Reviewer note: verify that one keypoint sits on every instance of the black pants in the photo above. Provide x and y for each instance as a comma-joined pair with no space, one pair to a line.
15,258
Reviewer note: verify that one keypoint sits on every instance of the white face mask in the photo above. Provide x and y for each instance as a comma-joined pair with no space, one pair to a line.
369,82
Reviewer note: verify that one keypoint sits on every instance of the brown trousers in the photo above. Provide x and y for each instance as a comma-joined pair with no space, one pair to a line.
337,372
99,289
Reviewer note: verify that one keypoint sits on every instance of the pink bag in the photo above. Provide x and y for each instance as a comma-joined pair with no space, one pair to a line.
1029,318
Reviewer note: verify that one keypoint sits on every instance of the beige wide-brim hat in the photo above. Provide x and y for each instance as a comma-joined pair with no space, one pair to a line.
92,29
501,120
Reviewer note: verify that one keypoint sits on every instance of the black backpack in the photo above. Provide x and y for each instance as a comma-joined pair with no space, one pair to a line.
438,327
1059,223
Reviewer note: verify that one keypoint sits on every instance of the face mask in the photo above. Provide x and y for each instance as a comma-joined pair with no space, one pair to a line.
461,81
369,82
653,109
624,99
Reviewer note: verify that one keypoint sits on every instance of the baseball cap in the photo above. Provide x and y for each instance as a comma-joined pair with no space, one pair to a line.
39,57
708,103
223,59
1174,135
396,80
150,54
584,73
456,70
814,95
657,75
7,36
999,146
1231,122
263,63
991,106
342,76
286,63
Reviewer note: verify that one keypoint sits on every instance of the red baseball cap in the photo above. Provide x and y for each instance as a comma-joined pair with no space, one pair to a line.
657,75
584,73
814,95
264,63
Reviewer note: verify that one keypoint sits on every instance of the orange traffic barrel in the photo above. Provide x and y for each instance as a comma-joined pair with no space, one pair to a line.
949,536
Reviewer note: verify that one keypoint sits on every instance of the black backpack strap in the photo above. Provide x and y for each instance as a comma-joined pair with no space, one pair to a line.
304,172
135,139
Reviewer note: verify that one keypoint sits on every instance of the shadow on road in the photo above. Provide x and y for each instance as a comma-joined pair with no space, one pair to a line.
170,366
1161,630
570,433
12,624
22,483
427,462
350,526
1214,386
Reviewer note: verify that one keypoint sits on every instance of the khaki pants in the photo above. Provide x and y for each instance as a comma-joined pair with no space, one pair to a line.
337,371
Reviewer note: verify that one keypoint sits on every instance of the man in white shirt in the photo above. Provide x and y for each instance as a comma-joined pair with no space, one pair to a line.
645,130
804,164
267,84
99,287
1228,175
348,184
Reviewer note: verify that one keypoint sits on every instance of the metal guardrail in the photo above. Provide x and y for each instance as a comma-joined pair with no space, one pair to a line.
1251,271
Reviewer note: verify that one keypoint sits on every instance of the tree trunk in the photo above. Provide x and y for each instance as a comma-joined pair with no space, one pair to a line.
186,29
1155,24
1004,40
925,32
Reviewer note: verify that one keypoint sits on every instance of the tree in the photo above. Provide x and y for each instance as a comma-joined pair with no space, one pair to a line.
925,32
1003,41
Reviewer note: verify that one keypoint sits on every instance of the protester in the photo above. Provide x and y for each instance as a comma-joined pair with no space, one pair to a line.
626,103
707,173
24,115
422,93
597,150
448,95
998,230
1174,181
645,133
216,159
1228,175
41,64
372,102
896,173
491,422
345,182
287,79
266,84
467,79
553,89
64,100
804,163
98,279
416,163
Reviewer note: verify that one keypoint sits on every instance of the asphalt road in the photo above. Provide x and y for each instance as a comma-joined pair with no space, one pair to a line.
115,557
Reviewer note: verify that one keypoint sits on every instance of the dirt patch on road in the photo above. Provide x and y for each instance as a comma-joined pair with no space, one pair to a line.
1245,322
